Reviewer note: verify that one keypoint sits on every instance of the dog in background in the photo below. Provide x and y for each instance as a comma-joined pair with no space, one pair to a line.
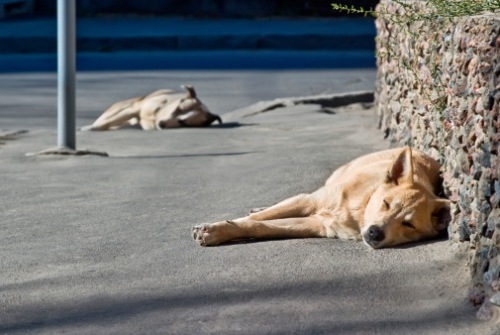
158,110
384,198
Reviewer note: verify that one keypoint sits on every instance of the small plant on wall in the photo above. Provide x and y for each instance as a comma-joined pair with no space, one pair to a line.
409,20
436,9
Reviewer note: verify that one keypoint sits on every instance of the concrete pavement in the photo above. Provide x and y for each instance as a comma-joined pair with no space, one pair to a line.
94,245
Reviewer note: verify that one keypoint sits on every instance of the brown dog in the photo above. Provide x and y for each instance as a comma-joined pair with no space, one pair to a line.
385,198
158,110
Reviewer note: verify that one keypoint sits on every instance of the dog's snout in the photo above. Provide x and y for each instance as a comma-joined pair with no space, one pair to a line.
376,234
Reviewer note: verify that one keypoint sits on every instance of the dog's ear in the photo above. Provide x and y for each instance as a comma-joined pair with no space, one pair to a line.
191,92
401,169
441,216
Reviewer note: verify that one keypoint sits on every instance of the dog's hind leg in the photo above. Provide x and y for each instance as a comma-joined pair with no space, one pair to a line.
244,228
116,120
117,115
298,206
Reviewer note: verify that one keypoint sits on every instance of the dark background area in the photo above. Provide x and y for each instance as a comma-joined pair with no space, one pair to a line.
205,8
190,34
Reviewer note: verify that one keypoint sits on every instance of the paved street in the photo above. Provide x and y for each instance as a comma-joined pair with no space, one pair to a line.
151,43
94,245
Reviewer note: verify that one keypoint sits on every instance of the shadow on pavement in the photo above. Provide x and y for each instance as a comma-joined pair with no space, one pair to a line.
212,306
189,155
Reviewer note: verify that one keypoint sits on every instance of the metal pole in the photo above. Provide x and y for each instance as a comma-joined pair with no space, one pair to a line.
66,69
66,47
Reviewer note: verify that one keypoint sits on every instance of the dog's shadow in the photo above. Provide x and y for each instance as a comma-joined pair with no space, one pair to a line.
250,241
232,125
257,240
227,125
188,155
421,243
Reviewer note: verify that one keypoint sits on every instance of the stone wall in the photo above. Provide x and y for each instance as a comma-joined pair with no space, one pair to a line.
438,90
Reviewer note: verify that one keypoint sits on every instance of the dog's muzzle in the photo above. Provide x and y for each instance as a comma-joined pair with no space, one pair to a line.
373,236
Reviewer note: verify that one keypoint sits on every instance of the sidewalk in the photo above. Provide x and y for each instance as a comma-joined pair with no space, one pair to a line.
94,245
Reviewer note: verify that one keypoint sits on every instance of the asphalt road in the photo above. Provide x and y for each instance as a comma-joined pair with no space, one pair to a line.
233,60
94,245
132,43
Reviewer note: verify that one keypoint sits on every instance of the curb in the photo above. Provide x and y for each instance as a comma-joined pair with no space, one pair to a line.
323,100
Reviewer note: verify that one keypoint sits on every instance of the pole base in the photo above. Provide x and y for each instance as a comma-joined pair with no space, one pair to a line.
68,152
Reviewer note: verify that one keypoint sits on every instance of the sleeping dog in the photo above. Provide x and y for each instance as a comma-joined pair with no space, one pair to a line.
384,198
158,110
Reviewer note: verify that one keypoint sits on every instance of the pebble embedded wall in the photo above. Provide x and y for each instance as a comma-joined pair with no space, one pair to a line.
438,90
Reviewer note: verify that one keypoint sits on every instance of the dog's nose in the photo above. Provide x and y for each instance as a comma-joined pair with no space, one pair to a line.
375,234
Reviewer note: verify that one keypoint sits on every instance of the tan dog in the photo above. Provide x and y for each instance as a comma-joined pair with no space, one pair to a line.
158,110
385,198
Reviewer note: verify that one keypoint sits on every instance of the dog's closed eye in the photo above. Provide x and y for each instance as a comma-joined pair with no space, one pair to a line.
408,224
386,204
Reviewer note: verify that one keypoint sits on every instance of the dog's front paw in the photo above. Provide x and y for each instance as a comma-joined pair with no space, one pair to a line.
205,234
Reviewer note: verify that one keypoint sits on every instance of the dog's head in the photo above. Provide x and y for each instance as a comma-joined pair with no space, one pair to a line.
189,111
402,209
